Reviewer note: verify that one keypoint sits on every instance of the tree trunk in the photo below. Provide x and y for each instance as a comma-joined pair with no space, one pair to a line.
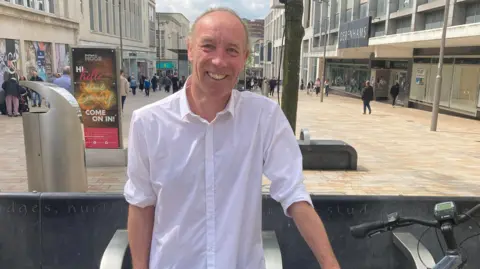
291,69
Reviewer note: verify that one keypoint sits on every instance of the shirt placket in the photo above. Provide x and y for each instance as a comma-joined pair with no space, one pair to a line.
210,197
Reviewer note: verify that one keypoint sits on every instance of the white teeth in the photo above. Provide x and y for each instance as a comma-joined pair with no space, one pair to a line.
217,76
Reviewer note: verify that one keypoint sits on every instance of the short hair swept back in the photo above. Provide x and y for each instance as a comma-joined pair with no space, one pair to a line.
224,9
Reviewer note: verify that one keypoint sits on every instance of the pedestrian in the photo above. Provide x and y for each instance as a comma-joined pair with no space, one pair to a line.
394,91
272,84
65,80
36,98
317,86
367,97
196,162
327,87
123,87
12,94
133,84
146,86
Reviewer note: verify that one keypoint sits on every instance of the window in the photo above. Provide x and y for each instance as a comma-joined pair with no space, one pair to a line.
40,5
162,44
51,6
363,10
262,48
269,52
378,29
19,2
465,87
404,4
434,19
100,11
107,15
381,8
114,20
92,18
404,25
473,13
348,15
30,3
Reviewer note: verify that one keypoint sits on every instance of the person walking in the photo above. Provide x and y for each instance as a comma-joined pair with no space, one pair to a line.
133,85
317,86
146,86
123,87
367,97
196,160
394,91
65,81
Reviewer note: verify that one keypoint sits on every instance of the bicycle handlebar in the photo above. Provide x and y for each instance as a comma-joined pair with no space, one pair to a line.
364,229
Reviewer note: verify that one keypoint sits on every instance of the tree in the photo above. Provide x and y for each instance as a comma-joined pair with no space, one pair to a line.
291,67
249,62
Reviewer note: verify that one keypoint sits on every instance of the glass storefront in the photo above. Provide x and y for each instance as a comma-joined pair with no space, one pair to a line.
460,83
348,76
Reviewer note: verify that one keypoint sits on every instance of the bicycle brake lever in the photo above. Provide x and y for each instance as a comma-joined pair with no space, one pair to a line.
376,232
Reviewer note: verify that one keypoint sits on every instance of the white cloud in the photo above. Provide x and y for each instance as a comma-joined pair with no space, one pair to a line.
251,9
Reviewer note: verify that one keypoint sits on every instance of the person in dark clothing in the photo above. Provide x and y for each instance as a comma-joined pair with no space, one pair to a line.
175,83
181,82
273,84
394,93
167,82
154,81
367,96
12,94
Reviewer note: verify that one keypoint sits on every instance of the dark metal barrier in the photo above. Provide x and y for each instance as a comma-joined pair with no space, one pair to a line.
326,154
73,230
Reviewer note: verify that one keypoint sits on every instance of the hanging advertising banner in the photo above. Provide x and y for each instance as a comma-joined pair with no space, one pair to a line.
95,89
354,34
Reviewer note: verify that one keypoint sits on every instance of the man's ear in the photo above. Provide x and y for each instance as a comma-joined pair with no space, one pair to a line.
190,48
247,54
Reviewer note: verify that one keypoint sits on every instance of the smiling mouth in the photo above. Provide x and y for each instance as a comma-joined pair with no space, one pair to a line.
216,76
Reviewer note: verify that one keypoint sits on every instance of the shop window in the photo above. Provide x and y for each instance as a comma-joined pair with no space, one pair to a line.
420,75
92,18
473,13
434,19
465,88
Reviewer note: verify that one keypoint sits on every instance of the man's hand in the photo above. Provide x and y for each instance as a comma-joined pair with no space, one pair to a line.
140,228
311,228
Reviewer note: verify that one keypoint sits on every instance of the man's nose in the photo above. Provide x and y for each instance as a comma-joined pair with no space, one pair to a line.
220,59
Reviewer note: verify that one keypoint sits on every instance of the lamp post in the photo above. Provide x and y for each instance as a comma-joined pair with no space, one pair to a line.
324,47
121,31
438,81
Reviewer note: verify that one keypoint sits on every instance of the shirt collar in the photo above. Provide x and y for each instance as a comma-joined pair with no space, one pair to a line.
185,106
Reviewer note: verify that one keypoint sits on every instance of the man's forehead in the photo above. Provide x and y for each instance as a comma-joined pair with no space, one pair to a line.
218,21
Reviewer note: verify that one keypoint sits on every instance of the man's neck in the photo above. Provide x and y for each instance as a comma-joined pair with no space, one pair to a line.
205,106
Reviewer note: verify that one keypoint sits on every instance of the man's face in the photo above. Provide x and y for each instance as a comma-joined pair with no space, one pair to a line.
218,52
34,73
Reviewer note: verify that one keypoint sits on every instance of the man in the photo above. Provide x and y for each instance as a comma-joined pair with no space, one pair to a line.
123,87
367,97
196,160
394,91
64,81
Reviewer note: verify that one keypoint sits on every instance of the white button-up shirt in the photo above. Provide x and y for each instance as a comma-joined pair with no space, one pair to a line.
205,179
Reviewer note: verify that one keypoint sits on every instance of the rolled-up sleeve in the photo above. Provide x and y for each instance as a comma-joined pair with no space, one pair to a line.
283,163
138,190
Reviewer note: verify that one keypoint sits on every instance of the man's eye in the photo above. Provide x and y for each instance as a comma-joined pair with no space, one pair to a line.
208,46
232,50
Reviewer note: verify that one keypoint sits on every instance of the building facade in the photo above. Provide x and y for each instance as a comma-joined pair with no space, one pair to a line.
172,31
390,41
256,34
100,26
36,35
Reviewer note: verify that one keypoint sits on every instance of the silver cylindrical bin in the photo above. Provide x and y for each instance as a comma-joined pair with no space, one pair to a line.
54,142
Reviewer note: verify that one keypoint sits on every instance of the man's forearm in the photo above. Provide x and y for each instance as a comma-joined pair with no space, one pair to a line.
140,228
313,231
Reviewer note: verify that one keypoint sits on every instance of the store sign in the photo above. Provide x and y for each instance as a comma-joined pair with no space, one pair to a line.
354,34
95,89
165,65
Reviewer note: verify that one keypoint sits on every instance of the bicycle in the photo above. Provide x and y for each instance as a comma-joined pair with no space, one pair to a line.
447,218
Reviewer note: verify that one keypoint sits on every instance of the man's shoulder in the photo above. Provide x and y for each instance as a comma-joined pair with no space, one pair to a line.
253,101
159,109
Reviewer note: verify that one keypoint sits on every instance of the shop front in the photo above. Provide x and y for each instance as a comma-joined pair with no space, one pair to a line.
348,75
460,81
137,63
385,73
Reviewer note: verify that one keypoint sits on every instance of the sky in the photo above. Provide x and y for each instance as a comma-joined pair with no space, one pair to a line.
250,9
